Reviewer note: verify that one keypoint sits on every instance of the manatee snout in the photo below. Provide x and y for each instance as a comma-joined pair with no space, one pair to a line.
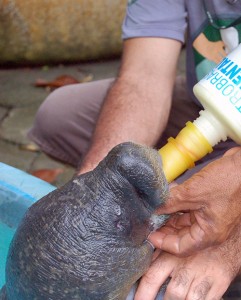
87,240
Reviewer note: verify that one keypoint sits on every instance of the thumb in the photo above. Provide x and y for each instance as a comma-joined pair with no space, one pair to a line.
181,243
232,151
179,199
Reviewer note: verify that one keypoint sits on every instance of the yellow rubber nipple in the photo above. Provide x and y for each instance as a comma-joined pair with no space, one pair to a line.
181,153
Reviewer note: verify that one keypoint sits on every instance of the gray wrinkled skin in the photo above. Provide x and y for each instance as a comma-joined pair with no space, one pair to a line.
87,240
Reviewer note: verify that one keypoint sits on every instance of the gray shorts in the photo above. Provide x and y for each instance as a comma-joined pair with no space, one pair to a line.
66,119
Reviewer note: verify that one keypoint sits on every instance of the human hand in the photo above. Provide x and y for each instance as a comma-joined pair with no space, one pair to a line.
206,275
211,200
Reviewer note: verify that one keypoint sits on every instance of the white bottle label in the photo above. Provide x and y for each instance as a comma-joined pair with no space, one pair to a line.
224,81
220,93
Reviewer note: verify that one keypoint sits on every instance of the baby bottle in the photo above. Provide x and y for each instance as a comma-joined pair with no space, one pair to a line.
220,94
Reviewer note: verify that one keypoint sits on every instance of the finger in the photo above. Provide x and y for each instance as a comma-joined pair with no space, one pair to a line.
232,151
184,242
179,220
156,253
155,277
179,285
156,239
208,287
217,290
200,289
172,184
173,224
179,199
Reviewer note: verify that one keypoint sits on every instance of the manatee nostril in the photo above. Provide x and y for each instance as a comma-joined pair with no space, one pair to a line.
119,225
140,193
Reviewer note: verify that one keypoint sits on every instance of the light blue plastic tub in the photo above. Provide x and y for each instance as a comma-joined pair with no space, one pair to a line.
18,191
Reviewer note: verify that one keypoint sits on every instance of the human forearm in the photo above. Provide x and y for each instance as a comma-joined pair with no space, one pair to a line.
138,104
128,115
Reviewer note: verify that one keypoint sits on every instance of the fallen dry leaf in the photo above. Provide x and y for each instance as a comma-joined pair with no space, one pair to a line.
57,82
30,147
48,175
87,78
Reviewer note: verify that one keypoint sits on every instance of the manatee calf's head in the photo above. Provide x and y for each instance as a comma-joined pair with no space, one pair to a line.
87,240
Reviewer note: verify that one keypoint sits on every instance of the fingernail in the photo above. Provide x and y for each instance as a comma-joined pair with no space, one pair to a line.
149,242
156,239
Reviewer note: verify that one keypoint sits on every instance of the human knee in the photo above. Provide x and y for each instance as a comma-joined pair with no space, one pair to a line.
51,115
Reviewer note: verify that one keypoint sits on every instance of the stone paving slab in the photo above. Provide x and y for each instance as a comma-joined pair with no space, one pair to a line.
19,101
18,85
3,113
14,128
43,161
12,155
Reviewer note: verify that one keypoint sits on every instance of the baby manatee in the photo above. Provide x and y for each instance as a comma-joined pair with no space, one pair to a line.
88,239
